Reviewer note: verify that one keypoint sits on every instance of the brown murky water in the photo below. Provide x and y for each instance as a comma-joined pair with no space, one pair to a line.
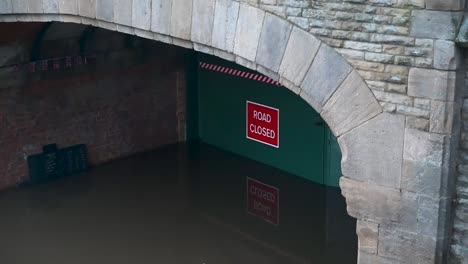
173,205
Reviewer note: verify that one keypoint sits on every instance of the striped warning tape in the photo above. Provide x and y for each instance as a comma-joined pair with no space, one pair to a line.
242,74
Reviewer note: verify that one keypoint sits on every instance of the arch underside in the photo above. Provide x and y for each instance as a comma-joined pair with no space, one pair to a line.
371,141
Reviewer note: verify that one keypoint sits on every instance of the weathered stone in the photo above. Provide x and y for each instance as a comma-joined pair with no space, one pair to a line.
20,6
267,72
406,247
246,63
366,258
376,146
162,38
422,162
224,55
123,12
273,40
225,22
68,7
435,24
447,55
417,123
368,234
50,6
202,48
317,82
300,52
453,5
183,43
181,19
161,16
125,29
87,8
141,14
249,27
105,10
368,201
144,33
351,105
202,21
442,116
35,6
6,7
432,84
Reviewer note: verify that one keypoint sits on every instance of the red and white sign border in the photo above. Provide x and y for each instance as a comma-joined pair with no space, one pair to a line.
247,123
277,198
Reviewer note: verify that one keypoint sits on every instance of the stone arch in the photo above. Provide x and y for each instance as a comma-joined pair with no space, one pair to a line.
371,141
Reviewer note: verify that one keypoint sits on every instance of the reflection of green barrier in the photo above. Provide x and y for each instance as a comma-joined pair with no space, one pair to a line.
54,163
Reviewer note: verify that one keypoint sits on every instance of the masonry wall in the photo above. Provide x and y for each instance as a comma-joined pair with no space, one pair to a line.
381,39
123,103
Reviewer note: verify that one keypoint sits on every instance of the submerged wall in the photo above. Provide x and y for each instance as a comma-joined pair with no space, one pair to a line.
122,103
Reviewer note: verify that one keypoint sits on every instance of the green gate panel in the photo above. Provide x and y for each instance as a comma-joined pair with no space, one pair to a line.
222,122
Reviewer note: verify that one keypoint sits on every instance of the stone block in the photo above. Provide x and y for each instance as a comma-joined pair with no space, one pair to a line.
181,19
141,14
407,247
327,72
267,72
432,84
352,104
225,22
20,7
162,38
366,258
123,12
182,43
417,123
368,234
422,162
6,7
87,8
126,29
369,201
68,7
462,37
273,40
435,24
447,56
246,63
105,10
373,151
447,5
35,6
144,33
202,21
50,6
224,55
249,27
203,49
442,116
300,52
161,16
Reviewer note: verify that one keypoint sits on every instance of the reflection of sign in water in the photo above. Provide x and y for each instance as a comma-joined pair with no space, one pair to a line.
262,124
263,201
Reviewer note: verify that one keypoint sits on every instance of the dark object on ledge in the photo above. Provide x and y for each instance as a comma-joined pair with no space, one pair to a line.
54,163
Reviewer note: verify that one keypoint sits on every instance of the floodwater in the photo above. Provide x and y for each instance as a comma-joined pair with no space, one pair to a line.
174,205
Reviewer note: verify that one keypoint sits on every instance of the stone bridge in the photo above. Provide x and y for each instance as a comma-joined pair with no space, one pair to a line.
383,74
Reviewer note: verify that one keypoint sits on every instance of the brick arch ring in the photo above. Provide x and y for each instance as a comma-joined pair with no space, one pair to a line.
371,140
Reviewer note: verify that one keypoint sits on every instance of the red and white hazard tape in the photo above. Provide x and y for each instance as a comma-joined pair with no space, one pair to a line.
242,74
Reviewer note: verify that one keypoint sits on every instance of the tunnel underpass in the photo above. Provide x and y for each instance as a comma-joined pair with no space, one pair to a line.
192,159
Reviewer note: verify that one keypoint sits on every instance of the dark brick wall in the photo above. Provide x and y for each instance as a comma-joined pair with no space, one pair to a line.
128,101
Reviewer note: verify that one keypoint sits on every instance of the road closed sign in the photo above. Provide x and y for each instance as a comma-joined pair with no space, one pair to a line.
262,124
263,201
